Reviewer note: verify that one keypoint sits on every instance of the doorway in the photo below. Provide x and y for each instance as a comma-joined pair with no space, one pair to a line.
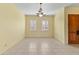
73,28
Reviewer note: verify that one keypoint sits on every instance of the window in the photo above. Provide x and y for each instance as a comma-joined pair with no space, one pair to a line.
44,25
32,25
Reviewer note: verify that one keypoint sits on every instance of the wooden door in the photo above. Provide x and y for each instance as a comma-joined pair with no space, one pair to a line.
73,28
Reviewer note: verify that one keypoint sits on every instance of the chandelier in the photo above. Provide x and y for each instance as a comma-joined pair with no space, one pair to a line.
40,12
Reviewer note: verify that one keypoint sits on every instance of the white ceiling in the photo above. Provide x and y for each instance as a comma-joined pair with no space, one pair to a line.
32,8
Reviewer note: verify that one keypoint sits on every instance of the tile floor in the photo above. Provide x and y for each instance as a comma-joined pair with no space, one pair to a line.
42,46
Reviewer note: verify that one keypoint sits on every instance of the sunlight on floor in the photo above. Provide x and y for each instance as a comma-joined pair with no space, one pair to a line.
32,47
44,48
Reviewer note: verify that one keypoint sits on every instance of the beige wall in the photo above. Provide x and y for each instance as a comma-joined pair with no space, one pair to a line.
11,26
38,33
72,9
59,30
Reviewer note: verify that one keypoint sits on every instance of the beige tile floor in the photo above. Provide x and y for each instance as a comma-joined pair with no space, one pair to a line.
42,46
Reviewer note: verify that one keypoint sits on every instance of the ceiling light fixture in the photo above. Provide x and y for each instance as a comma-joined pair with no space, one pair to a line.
40,12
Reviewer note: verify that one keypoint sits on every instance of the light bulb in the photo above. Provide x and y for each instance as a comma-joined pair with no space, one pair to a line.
40,15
